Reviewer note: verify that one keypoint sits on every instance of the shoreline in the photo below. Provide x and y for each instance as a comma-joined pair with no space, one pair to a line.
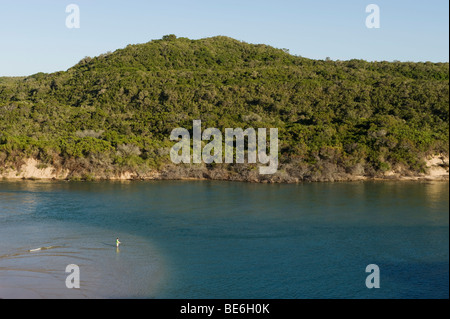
32,169
364,179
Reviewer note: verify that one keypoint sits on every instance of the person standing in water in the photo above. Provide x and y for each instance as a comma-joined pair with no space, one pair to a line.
117,242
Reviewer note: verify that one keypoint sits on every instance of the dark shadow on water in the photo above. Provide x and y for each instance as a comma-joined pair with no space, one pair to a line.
414,280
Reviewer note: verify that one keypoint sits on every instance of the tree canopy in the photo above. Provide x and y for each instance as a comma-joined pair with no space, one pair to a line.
115,112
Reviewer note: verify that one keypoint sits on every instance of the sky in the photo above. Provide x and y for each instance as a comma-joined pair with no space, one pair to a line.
34,36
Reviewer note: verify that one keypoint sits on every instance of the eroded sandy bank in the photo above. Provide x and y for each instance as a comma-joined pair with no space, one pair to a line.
437,169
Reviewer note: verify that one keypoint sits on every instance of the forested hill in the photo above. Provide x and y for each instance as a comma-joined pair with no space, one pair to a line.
336,119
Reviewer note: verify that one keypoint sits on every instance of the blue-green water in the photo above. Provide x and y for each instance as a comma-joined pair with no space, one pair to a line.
204,239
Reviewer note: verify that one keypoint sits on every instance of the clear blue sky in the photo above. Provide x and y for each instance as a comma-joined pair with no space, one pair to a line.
34,37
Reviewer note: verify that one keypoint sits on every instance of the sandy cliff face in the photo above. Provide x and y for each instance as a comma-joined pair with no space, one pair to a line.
437,169
33,169
438,166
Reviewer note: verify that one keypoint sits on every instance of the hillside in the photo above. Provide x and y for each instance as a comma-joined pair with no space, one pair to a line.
111,116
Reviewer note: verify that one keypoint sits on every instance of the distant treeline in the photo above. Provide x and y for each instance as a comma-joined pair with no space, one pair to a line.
336,119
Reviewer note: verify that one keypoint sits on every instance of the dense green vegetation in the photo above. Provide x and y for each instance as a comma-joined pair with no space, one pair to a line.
114,113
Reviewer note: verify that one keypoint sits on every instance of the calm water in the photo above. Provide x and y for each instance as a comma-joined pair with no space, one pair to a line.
207,239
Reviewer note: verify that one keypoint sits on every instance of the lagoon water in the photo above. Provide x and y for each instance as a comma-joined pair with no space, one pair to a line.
210,239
